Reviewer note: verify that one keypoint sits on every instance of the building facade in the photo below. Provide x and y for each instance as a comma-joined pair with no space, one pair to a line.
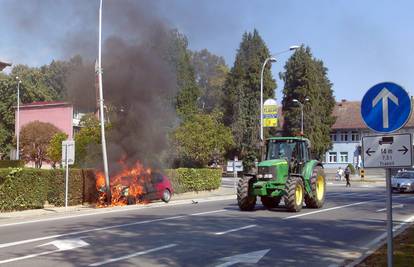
347,133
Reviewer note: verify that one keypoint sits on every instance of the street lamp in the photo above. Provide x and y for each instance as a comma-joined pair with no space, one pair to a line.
18,119
301,114
271,59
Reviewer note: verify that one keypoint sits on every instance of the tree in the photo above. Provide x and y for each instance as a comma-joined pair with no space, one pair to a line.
242,95
87,141
305,76
54,149
178,57
35,138
201,138
210,73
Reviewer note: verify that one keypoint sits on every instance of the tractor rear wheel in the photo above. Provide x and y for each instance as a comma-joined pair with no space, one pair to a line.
318,186
245,200
295,191
270,202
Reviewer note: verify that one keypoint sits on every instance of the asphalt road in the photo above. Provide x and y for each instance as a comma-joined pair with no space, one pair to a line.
209,233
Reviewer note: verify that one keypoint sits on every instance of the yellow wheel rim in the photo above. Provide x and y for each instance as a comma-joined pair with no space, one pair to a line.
320,187
298,194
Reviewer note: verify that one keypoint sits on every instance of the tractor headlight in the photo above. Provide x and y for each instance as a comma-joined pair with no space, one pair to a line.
259,176
268,176
266,172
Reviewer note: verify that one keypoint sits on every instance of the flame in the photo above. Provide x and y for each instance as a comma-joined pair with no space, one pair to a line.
127,186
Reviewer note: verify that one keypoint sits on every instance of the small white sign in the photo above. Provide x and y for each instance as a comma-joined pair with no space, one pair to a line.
68,148
387,151
237,164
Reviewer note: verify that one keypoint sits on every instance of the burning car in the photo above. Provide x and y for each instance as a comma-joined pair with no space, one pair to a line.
134,185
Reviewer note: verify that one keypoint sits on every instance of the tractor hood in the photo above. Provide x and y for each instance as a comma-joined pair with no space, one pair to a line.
272,162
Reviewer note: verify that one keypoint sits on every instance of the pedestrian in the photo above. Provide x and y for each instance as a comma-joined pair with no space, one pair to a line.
347,173
339,174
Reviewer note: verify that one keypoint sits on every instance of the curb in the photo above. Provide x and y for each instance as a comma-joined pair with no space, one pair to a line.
382,240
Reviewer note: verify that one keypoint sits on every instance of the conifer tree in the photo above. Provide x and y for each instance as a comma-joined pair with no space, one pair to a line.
306,77
241,100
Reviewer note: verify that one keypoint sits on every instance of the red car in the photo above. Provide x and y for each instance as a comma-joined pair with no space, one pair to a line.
158,188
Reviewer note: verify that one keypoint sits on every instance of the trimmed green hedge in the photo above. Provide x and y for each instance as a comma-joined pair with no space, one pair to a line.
30,188
187,180
11,163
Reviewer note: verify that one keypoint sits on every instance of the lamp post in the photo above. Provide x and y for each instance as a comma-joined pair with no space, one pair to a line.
301,114
18,119
271,59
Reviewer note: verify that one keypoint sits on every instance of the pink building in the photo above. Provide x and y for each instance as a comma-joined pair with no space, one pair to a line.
59,114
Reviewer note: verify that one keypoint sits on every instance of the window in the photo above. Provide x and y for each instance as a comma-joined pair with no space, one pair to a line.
333,137
332,157
355,136
344,137
344,156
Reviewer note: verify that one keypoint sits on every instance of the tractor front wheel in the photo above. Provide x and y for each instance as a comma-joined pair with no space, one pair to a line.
318,186
295,191
245,200
270,202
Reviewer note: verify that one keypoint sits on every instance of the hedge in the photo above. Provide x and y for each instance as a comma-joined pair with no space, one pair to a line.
30,188
11,163
26,188
187,180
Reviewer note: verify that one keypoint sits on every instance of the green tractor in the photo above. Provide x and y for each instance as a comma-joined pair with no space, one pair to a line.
288,173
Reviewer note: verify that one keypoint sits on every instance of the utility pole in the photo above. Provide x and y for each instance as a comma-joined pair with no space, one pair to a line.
101,108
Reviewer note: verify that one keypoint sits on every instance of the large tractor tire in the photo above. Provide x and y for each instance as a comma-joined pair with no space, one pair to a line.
295,191
245,201
270,202
318,186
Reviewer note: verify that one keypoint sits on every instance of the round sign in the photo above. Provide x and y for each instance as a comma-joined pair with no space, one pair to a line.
386,107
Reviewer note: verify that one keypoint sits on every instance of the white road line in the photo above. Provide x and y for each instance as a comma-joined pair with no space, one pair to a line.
124,209
132,255
4,245
29,256
236,229
384,235
393,206
329,209
207,212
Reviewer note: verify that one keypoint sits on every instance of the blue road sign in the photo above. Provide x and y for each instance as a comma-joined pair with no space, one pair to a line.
386,107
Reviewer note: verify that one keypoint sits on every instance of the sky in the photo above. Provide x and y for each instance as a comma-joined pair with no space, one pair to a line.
362,43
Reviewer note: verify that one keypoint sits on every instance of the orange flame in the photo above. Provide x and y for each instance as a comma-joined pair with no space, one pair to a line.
127,186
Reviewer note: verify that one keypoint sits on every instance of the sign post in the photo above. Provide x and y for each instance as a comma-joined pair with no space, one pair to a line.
385,108
68,157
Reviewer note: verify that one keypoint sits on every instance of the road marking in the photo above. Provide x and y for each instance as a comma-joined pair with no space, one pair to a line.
329,209
251,257
236,229
62,245
5,245
132,255
384,235
393,206
207,212
126,209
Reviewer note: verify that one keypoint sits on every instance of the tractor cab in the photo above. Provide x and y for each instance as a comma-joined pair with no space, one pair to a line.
294,150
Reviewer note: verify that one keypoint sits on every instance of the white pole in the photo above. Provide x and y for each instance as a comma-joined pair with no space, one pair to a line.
301,118
66,177
261,100
18,120
101,106
390,248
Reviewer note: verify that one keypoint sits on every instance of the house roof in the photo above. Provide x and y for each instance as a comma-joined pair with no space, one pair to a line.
45,104
348,116
3,65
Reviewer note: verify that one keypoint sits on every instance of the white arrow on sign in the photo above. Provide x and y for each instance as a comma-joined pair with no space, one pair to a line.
251,257
384,95
62,245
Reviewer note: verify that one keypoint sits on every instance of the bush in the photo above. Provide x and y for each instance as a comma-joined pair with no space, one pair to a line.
187,180
352,168
29,188
11,163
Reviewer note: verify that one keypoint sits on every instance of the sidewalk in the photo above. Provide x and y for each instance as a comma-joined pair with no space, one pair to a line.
84,210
